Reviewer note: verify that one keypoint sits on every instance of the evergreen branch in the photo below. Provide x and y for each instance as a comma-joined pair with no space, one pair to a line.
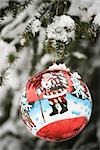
11,58
14,8
28,34
85,30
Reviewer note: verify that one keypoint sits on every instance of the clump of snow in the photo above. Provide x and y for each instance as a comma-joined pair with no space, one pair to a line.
23,65
41,40
5,50
61,29
85,9
22,41
58,67
36,24
96,20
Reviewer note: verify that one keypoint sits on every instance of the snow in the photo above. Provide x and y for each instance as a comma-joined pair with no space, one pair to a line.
35,26
5,50
3,3
22,41
85,9
61,29
18,74
41,39
58,67
14,28
96,20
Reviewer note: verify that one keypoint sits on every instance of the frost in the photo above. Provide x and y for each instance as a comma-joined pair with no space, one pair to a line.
61,29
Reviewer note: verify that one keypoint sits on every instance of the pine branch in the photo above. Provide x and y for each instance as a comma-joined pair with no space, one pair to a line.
85,30
14,8
28,33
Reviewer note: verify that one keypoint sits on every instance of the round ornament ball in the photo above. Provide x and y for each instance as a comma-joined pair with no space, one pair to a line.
55,104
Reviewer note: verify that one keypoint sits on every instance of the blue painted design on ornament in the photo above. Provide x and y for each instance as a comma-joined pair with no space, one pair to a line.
76,106
86,104
41,107
75,101
86,110
76,113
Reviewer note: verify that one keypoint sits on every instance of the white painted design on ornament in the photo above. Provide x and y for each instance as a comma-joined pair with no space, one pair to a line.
25,106
55,95
79,89
50,81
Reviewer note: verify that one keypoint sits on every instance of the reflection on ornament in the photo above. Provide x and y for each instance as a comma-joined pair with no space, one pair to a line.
56,105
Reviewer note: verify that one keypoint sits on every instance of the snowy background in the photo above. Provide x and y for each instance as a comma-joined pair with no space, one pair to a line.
20,57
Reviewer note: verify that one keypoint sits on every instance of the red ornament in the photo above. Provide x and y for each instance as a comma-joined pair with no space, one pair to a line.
56,105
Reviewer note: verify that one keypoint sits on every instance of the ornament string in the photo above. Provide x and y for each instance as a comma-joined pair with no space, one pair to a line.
65,4
54,52
57,8
53,56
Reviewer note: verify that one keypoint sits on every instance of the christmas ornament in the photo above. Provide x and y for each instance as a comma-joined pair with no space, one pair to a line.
56,105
